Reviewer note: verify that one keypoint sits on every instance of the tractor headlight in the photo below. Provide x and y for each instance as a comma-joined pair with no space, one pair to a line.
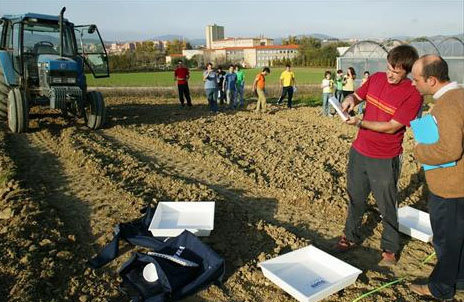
57,80
71,80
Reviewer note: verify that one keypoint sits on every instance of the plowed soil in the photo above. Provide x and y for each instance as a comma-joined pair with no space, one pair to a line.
278,180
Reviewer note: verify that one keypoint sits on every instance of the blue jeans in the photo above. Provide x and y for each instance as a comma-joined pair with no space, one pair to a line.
325,103
339,95
211,95
447,220
240,91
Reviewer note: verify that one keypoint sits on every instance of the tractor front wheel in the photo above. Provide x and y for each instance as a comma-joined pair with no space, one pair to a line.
18,111
94,110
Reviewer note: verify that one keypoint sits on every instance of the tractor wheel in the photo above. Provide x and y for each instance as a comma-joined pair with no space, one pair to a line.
94,110
3,97
18,111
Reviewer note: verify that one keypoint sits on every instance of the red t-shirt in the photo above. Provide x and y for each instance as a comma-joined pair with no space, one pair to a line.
384,102
181,72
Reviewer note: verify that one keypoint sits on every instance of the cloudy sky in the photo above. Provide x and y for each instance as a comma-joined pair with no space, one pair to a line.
140,19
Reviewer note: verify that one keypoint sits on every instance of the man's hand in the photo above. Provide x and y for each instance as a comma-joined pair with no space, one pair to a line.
353,121
348,103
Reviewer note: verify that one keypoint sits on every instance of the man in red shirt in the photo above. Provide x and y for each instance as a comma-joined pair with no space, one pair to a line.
374,159
182,75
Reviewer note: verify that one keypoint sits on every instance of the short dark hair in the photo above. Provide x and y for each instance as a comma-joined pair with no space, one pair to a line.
179,62
367,72
231,65
266,69
339,71
237,66
288,65
436,67
209,64
327,72
403,56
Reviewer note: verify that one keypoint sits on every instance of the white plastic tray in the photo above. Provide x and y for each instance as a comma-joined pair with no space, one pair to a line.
309,274
415,223
172,218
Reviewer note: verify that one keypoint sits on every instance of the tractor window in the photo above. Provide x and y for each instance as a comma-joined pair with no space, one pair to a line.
45,39
15,44
91,47
1,33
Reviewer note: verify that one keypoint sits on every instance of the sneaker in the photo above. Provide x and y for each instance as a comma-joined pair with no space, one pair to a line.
344,245
388,259
421,289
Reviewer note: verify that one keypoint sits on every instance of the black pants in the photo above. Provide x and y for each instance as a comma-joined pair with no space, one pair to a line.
347,93
447,219
184,91
379,176
286,90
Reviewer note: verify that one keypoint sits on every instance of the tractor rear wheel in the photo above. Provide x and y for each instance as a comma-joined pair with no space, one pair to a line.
94,110
3,97
18,111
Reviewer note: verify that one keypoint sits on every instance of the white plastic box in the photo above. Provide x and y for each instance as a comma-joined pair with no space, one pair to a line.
172,218
415,223
309,274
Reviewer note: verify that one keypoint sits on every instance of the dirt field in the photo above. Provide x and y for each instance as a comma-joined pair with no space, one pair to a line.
278,180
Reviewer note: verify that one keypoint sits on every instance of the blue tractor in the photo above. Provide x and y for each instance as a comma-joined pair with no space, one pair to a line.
43,62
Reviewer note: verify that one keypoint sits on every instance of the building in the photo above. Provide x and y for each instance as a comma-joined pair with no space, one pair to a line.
190,53
251,57
173,57
241,42
213,33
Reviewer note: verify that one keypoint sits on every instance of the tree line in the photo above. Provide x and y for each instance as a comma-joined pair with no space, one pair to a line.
147,57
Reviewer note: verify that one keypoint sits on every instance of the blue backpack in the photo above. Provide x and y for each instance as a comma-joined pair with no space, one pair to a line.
184,264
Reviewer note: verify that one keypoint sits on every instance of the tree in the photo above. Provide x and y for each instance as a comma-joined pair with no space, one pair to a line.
176,46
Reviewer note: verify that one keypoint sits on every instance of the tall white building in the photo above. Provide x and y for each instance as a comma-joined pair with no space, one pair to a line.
213,33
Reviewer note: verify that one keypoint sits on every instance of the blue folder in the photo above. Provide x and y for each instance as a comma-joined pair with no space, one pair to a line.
425,131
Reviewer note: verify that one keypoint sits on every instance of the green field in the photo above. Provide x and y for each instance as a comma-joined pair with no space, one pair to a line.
165,78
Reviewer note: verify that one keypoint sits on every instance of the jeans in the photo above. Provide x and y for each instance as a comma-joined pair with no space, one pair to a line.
286,90
447,220
239,95
231,96
184,91
339,95
261,104
361,107
325,103
221,96
211,95
366,174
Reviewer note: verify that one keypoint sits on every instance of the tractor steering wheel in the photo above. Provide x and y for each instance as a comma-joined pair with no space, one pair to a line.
44,43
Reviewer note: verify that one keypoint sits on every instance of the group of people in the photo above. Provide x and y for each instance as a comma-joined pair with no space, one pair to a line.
228,87
392,102
340,86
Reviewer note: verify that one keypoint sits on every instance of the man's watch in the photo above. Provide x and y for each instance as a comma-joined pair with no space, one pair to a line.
359,124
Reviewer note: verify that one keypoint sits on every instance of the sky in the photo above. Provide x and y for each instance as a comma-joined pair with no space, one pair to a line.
361,19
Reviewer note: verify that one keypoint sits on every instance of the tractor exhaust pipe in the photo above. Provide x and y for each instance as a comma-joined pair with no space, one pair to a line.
61,31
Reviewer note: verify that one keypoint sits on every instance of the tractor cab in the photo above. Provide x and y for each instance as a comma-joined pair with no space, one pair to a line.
43,61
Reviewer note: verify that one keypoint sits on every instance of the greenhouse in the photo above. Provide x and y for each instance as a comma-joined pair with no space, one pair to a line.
372,56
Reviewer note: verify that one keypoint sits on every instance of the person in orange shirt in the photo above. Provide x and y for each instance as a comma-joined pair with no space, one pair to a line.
259,86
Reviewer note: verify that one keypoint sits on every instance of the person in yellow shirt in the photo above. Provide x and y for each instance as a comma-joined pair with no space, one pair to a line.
348,82
287,84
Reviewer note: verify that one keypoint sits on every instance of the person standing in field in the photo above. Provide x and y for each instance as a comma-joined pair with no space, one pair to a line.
221,92
446,185
327,86
240,85
348,82
259,86
211,88
229,86
287,82
364,80
339,85
374,158
182,75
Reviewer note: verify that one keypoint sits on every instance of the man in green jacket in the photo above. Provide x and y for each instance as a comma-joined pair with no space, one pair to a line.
446,185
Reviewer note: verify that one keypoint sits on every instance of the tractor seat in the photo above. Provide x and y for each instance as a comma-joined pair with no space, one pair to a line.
44,49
